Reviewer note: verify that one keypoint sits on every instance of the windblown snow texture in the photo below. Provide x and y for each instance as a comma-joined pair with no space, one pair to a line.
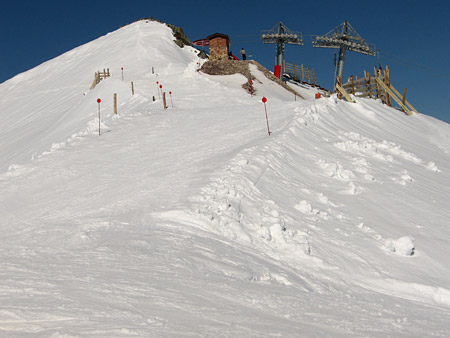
192,221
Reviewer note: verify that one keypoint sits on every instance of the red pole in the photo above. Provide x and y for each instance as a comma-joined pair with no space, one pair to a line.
98,101
170,93
122,73
157,88
264,100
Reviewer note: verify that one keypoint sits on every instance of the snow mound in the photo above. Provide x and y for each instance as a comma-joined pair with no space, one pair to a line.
403,246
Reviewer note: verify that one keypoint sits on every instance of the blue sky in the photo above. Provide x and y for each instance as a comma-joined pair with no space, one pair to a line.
413,36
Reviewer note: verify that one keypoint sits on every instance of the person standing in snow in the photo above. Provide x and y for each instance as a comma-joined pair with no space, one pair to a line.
244,55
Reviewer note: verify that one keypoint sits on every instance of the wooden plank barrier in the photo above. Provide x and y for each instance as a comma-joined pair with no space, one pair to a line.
404,101
99,76
379,87
300,73
341,91
395,97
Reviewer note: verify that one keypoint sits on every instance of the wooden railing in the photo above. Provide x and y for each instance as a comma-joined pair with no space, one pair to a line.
99,76
377,86
367,86
300,73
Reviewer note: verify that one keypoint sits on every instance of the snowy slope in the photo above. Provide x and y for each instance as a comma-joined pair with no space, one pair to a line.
192,221
52,101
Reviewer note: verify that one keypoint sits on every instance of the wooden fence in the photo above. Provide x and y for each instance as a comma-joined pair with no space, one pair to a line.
300,73
100,76
368,86
377,86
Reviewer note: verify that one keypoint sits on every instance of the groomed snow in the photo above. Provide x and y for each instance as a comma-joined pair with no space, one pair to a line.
192,221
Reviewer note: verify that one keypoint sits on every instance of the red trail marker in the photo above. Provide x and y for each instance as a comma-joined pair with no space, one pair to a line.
98,101
264,100
170,93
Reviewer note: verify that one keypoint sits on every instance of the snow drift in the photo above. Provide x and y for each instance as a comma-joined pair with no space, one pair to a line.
191,221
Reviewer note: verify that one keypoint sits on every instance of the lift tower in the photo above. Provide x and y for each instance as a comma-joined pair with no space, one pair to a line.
281,35
345,38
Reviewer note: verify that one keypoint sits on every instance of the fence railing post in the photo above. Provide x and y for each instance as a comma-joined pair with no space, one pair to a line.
164,100
387,82
338,83
115,103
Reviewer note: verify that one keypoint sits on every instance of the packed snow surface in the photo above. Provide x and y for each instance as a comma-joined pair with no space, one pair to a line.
193,221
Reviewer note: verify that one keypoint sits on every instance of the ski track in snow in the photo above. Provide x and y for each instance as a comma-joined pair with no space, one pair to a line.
192,221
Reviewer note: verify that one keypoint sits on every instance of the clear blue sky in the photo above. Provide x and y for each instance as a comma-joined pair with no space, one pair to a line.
413,36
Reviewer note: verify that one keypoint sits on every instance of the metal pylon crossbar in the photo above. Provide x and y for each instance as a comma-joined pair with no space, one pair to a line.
281,35
344,37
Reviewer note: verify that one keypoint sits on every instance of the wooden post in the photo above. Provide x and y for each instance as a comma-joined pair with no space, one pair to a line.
301,69
132,88
352,84
412,109
164,100
387,82
395,95
115,103
153,70
376,83
314,77
309,75
108,72
382,91
367,83
338,83
404,97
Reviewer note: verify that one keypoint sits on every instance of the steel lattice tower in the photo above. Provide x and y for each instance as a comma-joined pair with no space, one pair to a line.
281,35
345,38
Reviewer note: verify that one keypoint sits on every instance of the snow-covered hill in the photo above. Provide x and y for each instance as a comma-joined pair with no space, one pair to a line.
192,221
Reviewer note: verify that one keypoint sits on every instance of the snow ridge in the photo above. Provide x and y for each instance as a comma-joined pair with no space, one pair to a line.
192,221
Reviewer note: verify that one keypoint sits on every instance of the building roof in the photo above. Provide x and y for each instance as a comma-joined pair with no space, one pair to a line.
218,35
